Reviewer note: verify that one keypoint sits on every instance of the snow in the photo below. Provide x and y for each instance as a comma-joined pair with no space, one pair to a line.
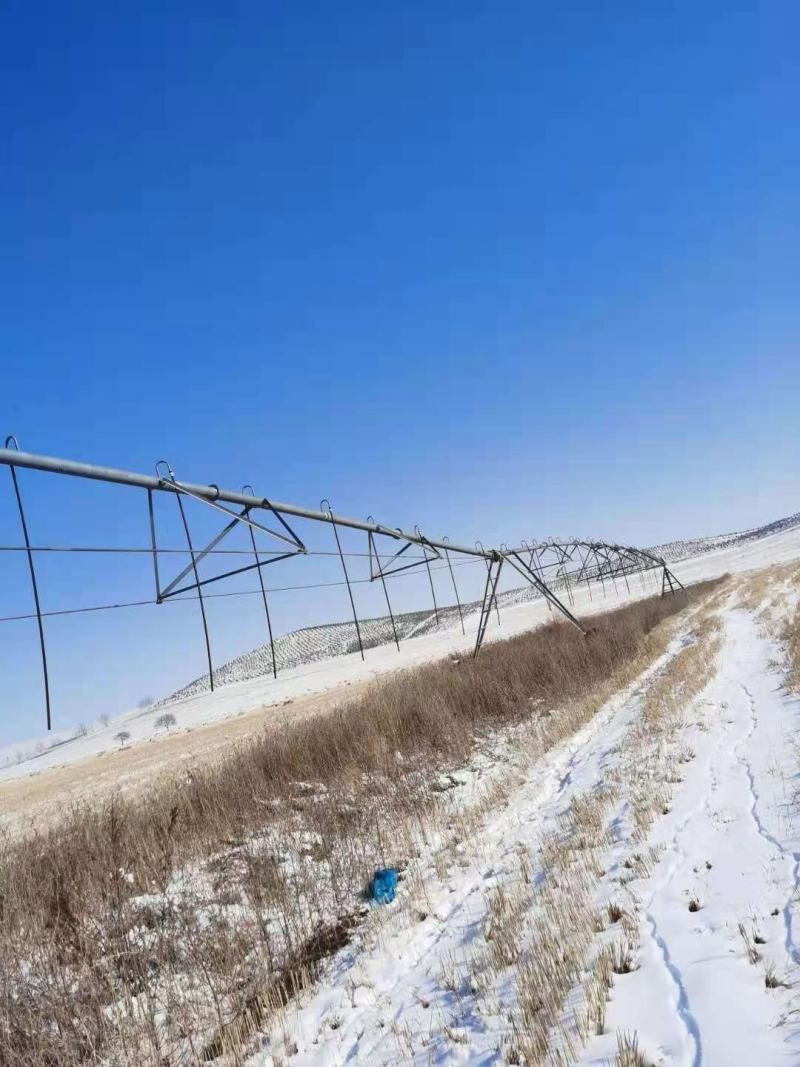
710,886
721,851
326,674
410,989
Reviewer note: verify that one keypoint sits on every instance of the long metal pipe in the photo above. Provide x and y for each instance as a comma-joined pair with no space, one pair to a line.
53,465
213,494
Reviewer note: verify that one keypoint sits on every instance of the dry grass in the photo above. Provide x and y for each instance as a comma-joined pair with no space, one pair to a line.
761,591
791,638
750,938
166,928
628,1052
773,980
571,860
544,929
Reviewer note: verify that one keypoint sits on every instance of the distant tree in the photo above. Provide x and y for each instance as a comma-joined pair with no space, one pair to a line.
105,719
122,737
83,730
166,721
145,702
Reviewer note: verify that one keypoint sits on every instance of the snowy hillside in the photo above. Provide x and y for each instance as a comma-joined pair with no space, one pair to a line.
316,643
673,551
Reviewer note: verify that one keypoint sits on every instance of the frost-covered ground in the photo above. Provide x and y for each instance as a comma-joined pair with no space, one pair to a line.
677,804
423,643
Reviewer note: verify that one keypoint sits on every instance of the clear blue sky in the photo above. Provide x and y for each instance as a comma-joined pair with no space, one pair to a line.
501,269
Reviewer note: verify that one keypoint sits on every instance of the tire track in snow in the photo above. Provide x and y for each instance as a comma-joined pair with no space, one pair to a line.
793,858
679,857
683,1007
721,758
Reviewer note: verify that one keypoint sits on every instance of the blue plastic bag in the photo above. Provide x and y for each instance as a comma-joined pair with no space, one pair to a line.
384,885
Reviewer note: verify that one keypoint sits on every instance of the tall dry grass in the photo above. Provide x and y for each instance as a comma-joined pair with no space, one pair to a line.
550,932
164,928
791,637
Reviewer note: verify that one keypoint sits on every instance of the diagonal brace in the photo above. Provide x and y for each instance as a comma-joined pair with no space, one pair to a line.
522,568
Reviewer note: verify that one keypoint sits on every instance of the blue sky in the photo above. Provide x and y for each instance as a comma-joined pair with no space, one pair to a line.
501,269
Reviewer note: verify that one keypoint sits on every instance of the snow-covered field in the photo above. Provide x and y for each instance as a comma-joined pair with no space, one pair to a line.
707,884
634,884
423,643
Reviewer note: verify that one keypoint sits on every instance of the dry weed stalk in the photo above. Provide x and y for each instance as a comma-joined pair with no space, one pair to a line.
749,939
167,927
628,1052
791,637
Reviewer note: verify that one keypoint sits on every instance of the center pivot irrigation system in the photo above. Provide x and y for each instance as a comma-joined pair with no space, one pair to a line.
550,567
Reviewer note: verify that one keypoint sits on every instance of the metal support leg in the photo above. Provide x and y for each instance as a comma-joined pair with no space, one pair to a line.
489,595
589,578
373,548
479,545
193,557
12,442
536,567
418,532
562,572
455,587
199,593
154,543
668,579
325,506
600,573
246,488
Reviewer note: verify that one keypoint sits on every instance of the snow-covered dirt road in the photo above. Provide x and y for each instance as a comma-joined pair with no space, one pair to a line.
638,884
730,848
